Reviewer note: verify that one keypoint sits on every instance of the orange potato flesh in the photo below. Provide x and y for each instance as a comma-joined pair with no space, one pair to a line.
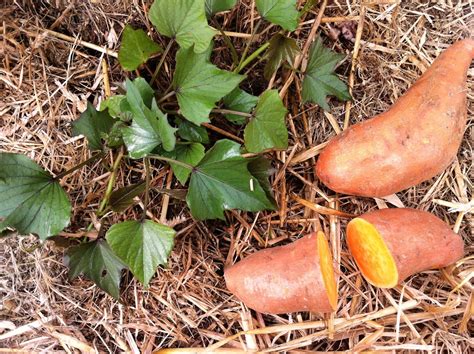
389,245
327,269
295,277
371,254
416,139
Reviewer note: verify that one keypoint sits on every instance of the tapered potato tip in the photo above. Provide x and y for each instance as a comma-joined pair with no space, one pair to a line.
389,245
295,277
416,139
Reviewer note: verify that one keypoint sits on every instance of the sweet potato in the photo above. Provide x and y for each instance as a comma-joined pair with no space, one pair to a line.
389,245
295,277
412,142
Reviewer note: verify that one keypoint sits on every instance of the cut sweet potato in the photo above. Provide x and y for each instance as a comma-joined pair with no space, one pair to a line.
389,245
295,277
412,142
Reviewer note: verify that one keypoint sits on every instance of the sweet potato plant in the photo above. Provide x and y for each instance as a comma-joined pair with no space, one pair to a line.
167,126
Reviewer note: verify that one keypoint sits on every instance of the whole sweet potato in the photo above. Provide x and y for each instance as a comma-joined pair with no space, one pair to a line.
412,142
389,245
295,277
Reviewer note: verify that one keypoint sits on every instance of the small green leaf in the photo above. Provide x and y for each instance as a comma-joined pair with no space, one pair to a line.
98,263
93,125
281,49
31,200
144,90
240,101
136,48
267,129
114,138
215,6
122,198
142,245
261,169
279,12
184,20
191,132
190,154
113,104
165,130
221,181
320,80
199,84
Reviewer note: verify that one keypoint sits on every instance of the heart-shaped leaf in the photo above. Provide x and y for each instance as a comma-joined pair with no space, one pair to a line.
184,20
267,129
190,154
98,263
31,200
142,245
221,181
192,132
136,48
320,80
199,84
279,12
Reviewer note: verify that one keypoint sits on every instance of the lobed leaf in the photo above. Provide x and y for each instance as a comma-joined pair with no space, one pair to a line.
281,49
279,12
221,181
215,6
320,80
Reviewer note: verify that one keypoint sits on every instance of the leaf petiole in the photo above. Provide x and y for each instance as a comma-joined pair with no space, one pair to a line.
252,56
146,162
170,160
80,165
110,184
247,47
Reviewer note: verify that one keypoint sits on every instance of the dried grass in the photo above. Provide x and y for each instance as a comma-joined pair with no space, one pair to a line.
45,82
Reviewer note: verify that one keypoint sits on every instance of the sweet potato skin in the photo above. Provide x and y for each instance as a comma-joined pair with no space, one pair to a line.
412,142
417,239
281,279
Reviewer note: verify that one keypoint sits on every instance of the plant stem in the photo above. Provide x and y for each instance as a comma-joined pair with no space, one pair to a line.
160,63
146,162
228,111
252,56
80,165
165,97
111,183
247,47
228,42
169,160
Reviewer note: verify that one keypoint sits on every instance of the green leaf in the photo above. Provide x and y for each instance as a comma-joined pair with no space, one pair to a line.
261,169
184,20
267,129
320,80
98,263
93,125
150,127
113,103
279,12
240,101
281,49
114,138
142,245
144,90
122,198
136,48
199,84
191,132
190,154
165,130
221,181
31,200
215,6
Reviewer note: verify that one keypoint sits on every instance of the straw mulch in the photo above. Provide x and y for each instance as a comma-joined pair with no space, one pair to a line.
45,83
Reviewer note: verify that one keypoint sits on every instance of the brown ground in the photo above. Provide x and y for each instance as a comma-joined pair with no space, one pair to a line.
45,82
